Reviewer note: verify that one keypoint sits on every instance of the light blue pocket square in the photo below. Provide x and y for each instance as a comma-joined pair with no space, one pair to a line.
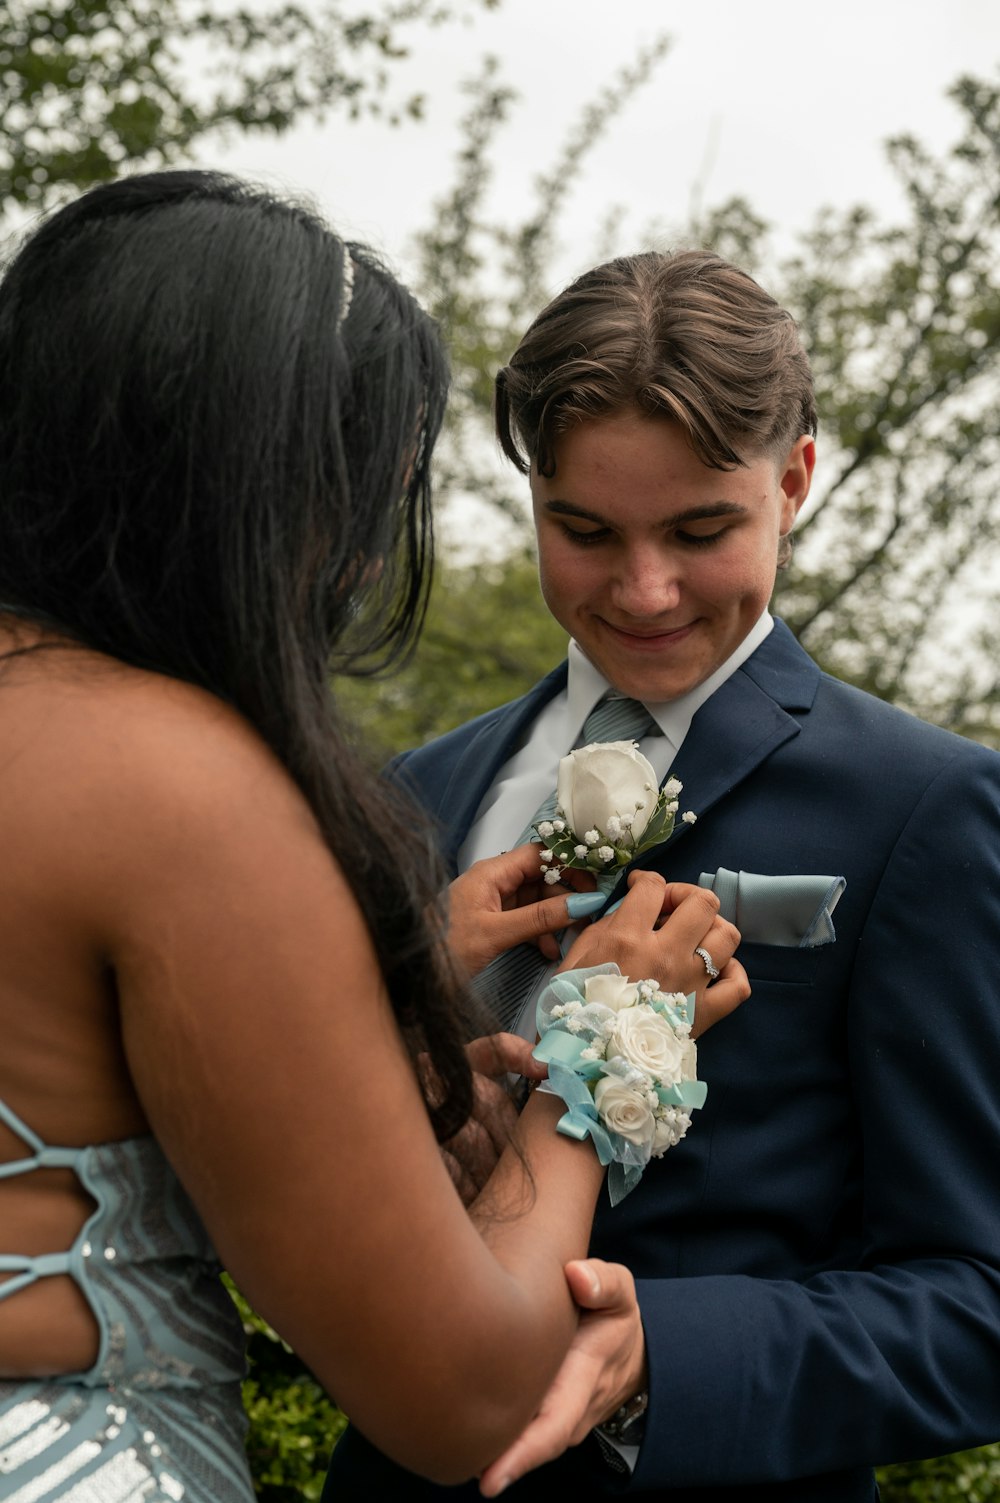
791,911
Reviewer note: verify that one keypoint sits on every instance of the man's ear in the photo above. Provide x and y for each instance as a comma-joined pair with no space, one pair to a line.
796,478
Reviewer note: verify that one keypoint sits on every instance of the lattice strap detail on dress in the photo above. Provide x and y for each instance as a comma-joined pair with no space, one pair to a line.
28,1269
42,1156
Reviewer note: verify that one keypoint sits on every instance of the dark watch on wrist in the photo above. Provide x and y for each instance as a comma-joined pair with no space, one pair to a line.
627,1425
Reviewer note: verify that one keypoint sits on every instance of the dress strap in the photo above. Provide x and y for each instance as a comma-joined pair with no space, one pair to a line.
26,1270
12,1120
42,1155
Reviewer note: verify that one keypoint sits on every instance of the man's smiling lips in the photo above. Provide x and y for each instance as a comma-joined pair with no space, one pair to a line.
646,640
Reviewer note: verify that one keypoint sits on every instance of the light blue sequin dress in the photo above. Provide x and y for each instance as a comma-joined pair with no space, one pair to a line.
158,1418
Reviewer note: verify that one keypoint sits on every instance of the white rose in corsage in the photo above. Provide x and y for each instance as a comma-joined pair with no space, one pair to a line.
624,1111
621,1057
613,991
644,1038
608,812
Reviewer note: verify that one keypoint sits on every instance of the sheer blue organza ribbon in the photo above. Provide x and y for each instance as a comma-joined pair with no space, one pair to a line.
570,1075
793,911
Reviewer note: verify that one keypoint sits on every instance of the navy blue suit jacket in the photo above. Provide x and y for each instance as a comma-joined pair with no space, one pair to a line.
818,1263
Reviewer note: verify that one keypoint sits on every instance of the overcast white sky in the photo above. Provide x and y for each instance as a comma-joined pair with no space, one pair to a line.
783,101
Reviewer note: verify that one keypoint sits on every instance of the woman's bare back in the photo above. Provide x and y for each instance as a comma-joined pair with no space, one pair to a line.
62,1067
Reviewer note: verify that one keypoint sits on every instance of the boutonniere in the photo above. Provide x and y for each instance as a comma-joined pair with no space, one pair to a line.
608,812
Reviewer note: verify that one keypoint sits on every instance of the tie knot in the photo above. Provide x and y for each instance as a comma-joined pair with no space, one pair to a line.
615,718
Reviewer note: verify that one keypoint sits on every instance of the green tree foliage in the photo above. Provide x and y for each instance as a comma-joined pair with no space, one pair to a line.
88,87
487,637
897,581
485,278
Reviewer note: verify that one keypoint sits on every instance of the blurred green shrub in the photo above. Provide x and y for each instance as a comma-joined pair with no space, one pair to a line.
966,1477
293,1425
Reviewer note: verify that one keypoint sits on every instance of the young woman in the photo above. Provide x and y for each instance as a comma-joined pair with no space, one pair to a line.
217,965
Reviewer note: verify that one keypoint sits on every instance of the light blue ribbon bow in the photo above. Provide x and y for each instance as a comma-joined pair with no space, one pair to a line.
581,1120
570,1076
792,911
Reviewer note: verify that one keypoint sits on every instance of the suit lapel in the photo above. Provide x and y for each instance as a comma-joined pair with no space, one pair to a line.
745,720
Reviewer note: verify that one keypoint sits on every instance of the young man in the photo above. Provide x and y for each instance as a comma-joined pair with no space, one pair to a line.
817,1264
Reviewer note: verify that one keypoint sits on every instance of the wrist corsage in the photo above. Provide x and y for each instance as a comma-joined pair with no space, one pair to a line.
621,1056
608,812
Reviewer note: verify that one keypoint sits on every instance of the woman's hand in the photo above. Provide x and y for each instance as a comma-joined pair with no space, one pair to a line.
656,931
502,902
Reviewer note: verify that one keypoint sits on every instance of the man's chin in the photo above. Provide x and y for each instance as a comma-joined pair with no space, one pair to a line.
643,674
649,684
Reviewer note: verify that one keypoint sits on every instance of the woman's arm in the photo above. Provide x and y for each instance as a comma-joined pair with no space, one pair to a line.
267,1058
268,1061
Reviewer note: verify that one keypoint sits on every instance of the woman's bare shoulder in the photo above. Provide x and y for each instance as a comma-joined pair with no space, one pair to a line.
89,727
109,774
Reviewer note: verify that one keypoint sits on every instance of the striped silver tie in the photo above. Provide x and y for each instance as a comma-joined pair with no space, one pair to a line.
506,983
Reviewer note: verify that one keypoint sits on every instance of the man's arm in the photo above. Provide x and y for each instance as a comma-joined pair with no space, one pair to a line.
605,1367
755,1379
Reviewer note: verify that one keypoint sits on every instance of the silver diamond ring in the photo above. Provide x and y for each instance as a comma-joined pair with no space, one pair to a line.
708,963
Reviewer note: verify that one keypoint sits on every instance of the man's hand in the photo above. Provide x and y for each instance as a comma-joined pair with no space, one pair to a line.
472,1153
605,1365
503,902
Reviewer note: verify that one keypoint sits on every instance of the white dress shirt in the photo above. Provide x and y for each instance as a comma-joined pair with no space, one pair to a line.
529,776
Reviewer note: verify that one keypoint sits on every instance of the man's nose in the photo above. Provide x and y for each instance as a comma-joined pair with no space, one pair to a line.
647,585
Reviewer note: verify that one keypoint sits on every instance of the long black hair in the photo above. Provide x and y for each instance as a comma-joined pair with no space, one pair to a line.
216,421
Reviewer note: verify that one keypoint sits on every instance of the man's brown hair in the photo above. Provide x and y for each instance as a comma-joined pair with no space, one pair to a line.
686,336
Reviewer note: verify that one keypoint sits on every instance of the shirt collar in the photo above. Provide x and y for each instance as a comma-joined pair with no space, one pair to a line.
586,685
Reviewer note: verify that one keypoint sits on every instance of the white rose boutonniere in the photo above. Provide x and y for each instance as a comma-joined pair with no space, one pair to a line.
608,811
621,1056
606,782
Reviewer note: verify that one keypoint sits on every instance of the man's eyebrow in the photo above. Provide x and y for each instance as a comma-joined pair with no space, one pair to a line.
679,519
